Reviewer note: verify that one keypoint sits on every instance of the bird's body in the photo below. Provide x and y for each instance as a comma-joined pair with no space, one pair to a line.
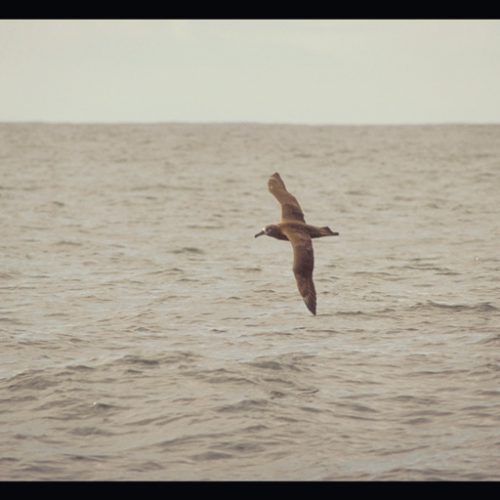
293,228
280,230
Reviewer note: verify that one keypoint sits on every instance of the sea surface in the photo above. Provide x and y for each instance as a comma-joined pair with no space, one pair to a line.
145,333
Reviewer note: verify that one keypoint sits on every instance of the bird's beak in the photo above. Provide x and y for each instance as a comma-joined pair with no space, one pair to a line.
260,234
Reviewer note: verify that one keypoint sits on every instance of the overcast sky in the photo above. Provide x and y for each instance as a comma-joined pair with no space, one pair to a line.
292,71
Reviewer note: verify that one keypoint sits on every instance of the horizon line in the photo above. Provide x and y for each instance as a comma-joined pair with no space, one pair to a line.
247,122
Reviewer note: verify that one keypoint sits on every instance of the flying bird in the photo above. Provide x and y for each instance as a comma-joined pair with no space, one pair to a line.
293,228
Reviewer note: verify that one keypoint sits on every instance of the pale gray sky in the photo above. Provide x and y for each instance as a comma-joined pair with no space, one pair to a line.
323,71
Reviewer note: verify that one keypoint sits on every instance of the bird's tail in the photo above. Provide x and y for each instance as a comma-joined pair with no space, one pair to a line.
326,231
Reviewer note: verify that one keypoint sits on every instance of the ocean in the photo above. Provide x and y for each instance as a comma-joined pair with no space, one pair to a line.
145,334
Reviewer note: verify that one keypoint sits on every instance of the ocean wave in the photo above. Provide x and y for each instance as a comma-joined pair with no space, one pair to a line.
32,379
220,376
188,250
245,405
292,363
480,307
493,339
155,360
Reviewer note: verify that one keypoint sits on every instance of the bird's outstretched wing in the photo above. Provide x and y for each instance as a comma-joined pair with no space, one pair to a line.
303,265
290,208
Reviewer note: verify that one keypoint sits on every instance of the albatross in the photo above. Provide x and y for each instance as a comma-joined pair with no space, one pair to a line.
293,228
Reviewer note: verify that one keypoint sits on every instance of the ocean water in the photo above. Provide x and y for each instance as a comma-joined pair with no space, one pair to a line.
146,334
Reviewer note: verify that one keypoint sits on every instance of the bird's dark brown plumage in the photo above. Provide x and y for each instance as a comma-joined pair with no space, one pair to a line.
293,227
290,208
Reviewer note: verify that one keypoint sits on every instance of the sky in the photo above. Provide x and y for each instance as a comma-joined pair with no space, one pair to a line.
268,71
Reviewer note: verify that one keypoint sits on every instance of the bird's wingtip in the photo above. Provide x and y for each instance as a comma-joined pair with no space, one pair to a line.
311,306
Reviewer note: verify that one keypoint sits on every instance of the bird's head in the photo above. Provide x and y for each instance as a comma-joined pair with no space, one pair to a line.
270,230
